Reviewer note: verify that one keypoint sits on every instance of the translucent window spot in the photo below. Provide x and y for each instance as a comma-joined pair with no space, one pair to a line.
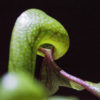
10,81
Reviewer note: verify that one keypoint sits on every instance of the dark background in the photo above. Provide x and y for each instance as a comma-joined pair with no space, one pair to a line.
82,21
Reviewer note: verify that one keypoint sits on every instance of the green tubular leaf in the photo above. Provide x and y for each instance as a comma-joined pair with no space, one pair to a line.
32,29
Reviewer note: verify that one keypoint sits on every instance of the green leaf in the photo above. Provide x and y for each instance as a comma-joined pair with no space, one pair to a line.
63,98
76,86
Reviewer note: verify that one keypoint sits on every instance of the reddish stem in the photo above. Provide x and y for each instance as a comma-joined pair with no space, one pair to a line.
48,55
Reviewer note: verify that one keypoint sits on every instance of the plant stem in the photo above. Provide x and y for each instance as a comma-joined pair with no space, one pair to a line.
49,56
79,81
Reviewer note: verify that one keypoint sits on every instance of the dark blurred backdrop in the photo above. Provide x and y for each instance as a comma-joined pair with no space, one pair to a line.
82,21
